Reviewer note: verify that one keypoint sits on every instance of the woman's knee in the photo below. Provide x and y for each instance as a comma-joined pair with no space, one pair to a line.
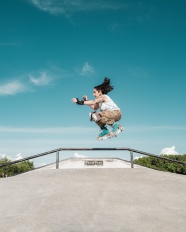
94,116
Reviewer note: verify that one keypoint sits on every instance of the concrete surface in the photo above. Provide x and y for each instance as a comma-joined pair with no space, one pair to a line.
93,200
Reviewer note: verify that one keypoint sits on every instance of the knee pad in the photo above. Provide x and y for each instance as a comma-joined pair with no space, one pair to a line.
94,116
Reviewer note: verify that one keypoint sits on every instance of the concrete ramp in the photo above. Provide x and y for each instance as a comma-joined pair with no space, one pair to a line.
93,200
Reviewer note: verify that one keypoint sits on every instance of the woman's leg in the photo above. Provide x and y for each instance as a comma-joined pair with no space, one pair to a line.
108,117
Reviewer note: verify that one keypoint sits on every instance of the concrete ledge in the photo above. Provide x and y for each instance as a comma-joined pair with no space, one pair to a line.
93,200
76,163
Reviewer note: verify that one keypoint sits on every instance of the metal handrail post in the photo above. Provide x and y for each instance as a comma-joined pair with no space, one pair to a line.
57,160
132,159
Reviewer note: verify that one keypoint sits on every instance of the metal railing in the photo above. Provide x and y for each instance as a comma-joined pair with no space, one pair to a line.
91,149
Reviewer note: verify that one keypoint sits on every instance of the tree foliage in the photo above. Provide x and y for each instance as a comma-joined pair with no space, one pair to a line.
163,165
15,169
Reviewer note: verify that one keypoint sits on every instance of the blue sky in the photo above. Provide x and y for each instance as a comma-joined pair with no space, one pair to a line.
54,50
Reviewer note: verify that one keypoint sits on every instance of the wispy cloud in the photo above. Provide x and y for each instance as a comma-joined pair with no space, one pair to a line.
59,72
138,72
51,130
70,130
10,44
115,27
24,84
86,69
12,88
27,82
143,128
67,7
43,79
145,12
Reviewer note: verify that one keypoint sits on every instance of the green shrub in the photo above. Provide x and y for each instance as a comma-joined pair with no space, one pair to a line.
15,169
163,165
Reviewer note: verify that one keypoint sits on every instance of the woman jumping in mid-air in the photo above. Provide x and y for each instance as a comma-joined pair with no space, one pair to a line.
109,112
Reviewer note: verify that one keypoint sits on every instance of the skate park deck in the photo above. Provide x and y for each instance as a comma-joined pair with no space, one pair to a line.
93,200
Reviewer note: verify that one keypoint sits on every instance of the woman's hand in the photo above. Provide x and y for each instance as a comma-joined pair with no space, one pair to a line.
74,100
85,98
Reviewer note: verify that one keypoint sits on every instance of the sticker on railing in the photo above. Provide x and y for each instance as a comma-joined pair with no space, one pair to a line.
93,162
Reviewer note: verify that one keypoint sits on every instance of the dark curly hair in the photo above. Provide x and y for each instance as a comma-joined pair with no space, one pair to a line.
105,87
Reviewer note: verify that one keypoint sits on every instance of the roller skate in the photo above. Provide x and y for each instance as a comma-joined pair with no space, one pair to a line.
116,129
105,134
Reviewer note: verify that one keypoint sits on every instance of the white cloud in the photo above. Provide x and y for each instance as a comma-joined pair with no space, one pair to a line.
76,155
17,157
42,80
138,157
169,151
23,84
67,7
12,88
86,69
3,156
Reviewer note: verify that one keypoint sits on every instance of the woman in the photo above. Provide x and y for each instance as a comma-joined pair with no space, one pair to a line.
109,112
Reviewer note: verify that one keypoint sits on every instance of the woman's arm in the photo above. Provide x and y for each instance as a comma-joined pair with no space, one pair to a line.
90,103
94,104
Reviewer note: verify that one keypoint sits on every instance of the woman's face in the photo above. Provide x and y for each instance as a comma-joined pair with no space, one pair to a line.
97,93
